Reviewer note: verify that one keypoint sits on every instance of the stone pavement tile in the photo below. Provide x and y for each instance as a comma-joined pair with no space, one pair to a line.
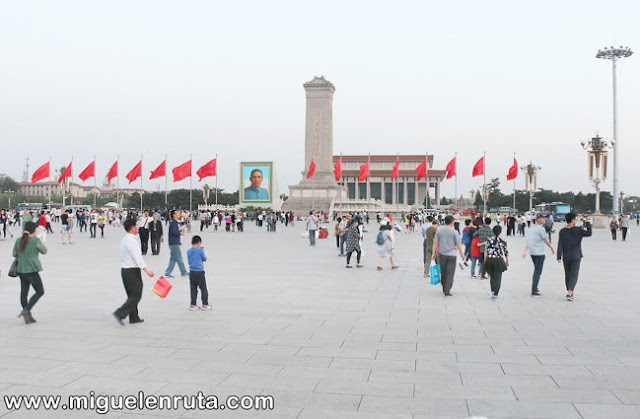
415,377
565,370
628,396
340,353
466,367
304,384
66,344
630,361
29,364
298,399
570,395
186,344
608,411
195,376
511,409
335,414
97,370
293,360
260,349
128,349
417,356
436,391
538,381
365,388
325,373
511,341
603,382
373,364
410,405
157,362
524,359
461,349
533,350
91,356
22,352
207,355
578,360
44,379
240,368
599,371
277,413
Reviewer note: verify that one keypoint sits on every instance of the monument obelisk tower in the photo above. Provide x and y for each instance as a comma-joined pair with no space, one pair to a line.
317,192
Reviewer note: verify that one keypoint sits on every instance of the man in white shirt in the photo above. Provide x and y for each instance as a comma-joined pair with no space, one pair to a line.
143,228
131,263
536,239
312,226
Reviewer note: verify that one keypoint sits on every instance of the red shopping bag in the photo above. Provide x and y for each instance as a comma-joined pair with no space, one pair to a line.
323,234
162,287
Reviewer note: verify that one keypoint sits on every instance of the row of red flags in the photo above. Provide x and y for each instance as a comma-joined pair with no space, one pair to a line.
180,172
421,170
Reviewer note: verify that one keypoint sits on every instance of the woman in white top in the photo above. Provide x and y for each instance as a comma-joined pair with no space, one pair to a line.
385,242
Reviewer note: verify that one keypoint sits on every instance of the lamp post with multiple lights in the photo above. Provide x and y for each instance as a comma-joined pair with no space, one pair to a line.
597,155
531,180
614,54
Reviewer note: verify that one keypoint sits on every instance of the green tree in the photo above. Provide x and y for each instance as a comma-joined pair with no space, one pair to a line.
8,184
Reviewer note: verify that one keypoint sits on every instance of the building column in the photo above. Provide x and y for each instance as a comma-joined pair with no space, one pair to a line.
405,193
394,193
438,192
357,189
416,194
383,195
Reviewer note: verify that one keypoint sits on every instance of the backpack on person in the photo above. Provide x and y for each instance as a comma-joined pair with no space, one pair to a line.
380,239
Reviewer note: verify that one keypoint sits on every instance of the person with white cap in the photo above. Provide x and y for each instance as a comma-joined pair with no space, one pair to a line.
385,242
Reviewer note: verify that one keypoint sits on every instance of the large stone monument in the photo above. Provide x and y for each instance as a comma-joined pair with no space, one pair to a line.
322,188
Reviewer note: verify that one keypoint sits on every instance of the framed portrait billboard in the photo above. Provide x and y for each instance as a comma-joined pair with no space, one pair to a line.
256,182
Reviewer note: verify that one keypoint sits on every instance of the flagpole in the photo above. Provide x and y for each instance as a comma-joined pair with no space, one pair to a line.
426,177
484,184
313,191
514,187
141,157
343,183
118,181
216,180
190,184
71,181
166,183
395,180
455,167
369,183
50,186
95,183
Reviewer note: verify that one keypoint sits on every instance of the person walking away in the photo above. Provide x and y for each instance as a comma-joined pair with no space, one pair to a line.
446,242
174,247
143,228
423,230
536,240
155,231
496,260
613,226
28,249
353,243
385,242
312,226
102,221
430,235
624,226
467,235
336,231
131,264
570,250
484,233
42,228
475,257
196,259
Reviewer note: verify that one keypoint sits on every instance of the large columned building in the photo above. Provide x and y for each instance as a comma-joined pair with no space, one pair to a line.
405,190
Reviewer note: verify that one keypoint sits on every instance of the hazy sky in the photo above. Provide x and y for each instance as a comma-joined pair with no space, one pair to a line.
80,78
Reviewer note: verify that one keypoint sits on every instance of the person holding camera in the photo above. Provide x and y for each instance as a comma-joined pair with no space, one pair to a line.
570,250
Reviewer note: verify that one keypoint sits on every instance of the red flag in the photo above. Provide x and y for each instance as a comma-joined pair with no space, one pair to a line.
135,173
513,170
66,173
451,168
160,171
421,170
89,171
209,169
337,169
41,173
113,172
312,169
182,172
478,168
364,171
396,169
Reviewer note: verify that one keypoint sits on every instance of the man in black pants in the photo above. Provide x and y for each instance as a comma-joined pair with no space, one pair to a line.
570,250
155,230
143,228
131,262
447,245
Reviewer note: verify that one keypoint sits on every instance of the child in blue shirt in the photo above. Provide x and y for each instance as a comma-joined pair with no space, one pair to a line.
196,258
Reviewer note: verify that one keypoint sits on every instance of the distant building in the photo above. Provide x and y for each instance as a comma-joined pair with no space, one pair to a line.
76,190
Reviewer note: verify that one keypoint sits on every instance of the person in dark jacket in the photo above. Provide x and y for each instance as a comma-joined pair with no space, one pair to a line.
27,249
155,230
174,247
570,250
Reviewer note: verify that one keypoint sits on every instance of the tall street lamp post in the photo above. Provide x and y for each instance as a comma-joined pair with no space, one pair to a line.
597,156
614,54
531,180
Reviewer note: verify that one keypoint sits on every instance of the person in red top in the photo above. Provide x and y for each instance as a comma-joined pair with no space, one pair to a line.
475,255
42,227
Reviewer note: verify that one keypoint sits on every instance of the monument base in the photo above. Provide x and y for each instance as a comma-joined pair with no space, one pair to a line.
307,196
600,221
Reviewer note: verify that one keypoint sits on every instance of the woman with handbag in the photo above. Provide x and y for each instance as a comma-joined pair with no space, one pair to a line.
27,250
353,243
496,259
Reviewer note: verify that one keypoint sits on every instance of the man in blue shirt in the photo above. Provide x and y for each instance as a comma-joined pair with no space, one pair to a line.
255,191
196,258
174,247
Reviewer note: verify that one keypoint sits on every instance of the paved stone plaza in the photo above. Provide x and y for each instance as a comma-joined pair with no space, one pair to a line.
327,342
